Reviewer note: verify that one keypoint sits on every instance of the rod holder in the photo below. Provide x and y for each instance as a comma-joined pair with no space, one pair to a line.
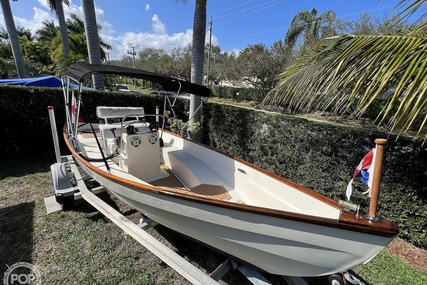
54,133
350,207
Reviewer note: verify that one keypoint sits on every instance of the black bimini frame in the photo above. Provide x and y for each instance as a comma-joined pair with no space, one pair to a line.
79,71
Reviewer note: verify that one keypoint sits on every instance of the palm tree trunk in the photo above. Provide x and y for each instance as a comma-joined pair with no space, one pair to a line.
13,37
197,61
92,38
62,27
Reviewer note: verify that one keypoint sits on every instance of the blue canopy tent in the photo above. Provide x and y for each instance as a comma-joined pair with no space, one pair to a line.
44,81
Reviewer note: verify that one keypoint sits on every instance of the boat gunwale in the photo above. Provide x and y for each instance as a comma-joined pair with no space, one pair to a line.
346,221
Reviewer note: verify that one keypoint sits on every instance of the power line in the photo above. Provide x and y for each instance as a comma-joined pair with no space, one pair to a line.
243,10
252,12
233,7
287,27
251,8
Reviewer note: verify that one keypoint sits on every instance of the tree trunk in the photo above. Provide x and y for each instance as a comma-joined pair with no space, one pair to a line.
13,38
62,27
92,39
197,61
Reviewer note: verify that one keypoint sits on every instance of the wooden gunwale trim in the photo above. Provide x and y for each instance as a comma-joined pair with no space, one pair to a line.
345,222
382,228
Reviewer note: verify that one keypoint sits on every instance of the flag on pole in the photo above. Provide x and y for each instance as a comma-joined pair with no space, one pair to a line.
363,171
74,109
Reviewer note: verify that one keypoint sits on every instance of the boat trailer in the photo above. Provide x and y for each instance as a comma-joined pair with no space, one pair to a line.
70,185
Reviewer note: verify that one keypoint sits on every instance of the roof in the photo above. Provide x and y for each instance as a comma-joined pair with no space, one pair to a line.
79,71
44,81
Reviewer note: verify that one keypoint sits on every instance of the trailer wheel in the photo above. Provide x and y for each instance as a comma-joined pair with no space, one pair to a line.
336,279
67,203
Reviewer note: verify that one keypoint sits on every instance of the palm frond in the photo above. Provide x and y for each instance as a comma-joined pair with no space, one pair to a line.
349,75
409,7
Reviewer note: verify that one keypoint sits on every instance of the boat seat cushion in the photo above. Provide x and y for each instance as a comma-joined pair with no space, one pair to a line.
192,170
108,112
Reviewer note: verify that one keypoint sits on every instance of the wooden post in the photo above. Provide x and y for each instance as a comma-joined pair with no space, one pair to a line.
378,163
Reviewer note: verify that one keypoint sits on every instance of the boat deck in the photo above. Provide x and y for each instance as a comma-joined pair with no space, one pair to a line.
171,182
216,192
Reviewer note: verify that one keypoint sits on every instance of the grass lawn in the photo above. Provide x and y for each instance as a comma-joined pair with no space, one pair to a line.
83,247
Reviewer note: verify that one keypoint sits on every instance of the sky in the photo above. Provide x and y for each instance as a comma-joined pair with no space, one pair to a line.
167,24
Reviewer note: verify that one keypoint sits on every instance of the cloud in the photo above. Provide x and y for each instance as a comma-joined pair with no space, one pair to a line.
236,52
157,37
147,7
157,26
152,40
36,22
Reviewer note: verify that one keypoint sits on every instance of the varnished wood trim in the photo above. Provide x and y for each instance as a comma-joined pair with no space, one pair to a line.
216,192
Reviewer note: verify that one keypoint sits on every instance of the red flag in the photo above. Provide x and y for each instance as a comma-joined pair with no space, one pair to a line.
363,170
74,110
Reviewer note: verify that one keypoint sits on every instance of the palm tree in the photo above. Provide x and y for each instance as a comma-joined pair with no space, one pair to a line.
92,37
349,75
13,37
197,61
5,65
75,28
311,26
48,32
75,25
56,6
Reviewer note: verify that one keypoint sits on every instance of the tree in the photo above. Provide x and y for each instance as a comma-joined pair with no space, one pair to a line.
348,75
13,38
77,38
281,56
228,68
50,36
48,32
259,67
218,66
92,38
56,6
311,27
181,58
37,52
6,52
197,61
153,59
5,65
46,41
369,24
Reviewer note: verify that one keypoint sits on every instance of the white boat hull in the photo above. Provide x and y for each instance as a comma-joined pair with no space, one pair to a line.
278,246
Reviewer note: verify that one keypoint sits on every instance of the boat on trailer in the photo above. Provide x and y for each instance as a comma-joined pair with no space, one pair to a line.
235,207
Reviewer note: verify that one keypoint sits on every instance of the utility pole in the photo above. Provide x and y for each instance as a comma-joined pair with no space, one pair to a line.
133,53
209,52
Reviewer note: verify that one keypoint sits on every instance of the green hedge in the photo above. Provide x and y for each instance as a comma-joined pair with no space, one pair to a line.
236,94
24,118
318,155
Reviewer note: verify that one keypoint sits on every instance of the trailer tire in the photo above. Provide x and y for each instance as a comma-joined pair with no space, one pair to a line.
67,203
336,279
